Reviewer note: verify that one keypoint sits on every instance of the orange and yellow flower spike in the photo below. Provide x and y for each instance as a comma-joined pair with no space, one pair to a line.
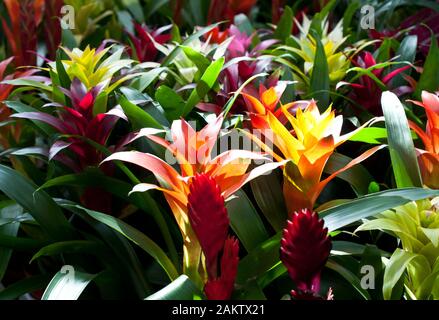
429,158
307,149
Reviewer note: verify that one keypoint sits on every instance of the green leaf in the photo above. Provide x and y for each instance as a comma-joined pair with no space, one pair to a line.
10,230
319,84
402,150
38,203
358,177
147,104
28,83
20,107
147,78
67,285
372,256
267,191
372,204
64,79
429,79
285,25
259,260
81,246
172,103
206,83
27,285
243,23
349,14
406,52
91,178
349,276
135,236
137,116
197,58
67,38
370,135
134,8
181,288
245,221
100,104
395,268
168,60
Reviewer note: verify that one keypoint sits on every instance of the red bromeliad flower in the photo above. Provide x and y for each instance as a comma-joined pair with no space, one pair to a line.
209,220
143,43
305,248
368,91
80,123
221,288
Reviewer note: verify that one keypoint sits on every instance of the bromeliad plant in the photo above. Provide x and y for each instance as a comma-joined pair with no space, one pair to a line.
193,152
416,224
306,150
206,109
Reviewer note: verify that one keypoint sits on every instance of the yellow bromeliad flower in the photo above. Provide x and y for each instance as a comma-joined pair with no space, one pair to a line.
307,148
90,68
416,224
338,63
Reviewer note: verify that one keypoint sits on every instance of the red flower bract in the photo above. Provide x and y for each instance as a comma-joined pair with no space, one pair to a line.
305,248
208,217
221,288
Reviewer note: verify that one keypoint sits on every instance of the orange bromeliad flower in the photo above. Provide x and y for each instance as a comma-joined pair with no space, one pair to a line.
268,101
429,158
307,148
193,152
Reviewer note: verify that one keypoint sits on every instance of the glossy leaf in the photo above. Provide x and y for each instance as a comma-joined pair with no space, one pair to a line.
181,288
283,29
137,237
67,284
319,84
10,229
37,203
429,80
206,83
245,221
267,191
402,151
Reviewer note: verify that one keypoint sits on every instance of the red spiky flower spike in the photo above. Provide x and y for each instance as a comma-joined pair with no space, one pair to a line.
210,222
305,248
